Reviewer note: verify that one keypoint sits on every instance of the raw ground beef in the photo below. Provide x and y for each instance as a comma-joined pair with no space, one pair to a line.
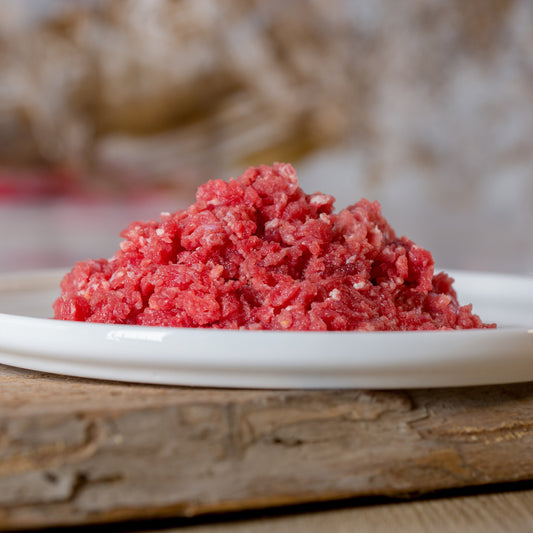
256,252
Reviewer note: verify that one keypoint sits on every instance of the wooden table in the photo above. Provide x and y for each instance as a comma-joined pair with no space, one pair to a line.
76,452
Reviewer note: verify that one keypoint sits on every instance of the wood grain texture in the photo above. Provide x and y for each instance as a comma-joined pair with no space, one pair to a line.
77,451
487,513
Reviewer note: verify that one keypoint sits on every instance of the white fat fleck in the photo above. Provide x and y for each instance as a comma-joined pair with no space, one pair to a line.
351,259
274,223
288,172
359,285
335,294
160,232
319,199
117,275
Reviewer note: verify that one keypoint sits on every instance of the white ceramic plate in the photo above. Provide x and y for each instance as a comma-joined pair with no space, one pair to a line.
266,359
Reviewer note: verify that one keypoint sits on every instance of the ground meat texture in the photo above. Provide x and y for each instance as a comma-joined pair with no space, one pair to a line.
256,252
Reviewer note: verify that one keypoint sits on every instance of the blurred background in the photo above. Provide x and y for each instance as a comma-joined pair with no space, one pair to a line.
113,111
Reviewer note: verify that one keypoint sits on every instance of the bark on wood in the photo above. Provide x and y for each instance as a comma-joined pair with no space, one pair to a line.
78,451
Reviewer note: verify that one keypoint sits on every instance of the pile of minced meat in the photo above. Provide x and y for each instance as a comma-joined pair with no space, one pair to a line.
256,252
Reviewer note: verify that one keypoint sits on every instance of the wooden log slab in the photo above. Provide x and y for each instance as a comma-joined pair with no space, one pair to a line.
75,451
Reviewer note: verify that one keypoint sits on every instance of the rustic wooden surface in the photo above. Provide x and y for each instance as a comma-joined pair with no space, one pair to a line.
77,451
487,513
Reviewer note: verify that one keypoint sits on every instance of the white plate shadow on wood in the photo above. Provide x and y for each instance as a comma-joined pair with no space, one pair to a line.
274,359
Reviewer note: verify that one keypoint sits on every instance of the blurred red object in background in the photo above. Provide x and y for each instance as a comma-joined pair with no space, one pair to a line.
36,184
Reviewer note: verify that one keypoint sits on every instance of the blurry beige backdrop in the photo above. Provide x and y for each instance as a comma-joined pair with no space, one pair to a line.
113,111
